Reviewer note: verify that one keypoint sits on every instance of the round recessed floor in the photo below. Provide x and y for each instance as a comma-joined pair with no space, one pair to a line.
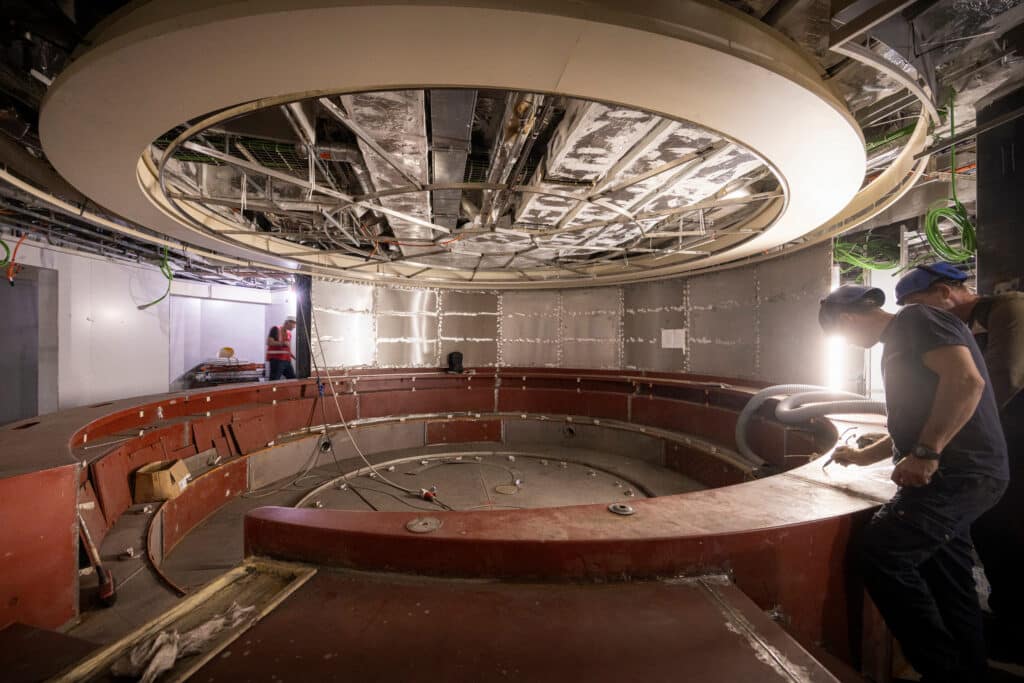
488,480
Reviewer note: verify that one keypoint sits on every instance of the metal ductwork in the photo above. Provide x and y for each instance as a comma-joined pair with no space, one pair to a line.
392,133
451,127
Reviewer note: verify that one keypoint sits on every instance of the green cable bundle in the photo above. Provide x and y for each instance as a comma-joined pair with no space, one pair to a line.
7,254
955,214
874,253
165,268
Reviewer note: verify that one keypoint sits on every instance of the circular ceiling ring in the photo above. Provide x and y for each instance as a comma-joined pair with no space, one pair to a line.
237,112
538,271
684,61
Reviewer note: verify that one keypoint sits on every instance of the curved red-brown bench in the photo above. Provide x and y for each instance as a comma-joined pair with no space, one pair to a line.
85,457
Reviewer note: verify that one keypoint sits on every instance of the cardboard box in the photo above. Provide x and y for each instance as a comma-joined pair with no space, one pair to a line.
160,481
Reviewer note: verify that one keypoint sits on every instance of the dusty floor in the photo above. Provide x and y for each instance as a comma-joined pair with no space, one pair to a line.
216,545
470,476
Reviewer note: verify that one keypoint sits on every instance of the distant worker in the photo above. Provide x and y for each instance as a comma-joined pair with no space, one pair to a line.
915,553
279,350
998,324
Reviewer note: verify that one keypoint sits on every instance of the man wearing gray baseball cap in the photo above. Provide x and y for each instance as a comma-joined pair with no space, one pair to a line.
915,553
997,322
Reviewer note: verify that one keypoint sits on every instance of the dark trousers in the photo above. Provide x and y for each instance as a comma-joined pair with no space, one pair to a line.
281,368
917,566
999,533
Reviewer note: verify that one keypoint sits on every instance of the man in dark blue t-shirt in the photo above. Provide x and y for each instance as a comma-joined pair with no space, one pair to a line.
951,466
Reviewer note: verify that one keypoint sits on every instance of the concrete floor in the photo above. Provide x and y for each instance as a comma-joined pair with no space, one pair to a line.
475,479
216,545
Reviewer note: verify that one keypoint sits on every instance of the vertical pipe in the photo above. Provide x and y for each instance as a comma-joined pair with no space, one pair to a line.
304,306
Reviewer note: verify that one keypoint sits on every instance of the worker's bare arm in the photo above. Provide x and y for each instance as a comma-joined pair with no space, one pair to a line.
869,455
957,394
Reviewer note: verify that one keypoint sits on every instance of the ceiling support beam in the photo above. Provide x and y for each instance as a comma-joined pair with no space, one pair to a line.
867,21
257,168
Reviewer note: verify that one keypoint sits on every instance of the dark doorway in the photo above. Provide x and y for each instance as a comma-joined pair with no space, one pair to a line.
28,318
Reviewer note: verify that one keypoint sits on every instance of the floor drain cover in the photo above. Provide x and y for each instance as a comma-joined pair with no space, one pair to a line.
423,525
620,509
507,489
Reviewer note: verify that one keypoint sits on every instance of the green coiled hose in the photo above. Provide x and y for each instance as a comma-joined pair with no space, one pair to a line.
955,214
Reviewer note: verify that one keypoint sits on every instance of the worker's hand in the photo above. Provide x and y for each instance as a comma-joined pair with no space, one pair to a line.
847,455
913,471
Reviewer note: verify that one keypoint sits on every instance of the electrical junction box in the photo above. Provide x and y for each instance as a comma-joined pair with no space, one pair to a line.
160,481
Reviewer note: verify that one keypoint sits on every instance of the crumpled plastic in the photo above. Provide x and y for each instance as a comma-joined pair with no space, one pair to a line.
152,657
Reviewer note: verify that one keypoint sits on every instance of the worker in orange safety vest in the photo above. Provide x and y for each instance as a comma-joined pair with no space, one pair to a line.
279,350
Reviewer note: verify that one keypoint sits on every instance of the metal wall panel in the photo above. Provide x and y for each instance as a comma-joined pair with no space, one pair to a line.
649,308
757,322
604,326
470,302
342,296
539,303
530,354
590,301
792,345
407,354
411,327
591,354
475,354
521,328
723,323
469,327
530,324
347,339
406,300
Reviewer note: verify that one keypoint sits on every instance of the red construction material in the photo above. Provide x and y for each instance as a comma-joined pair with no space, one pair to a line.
201,498
387,629
463,431
38,555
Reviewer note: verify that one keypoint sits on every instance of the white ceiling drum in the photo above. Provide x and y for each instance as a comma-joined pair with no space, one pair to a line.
475,144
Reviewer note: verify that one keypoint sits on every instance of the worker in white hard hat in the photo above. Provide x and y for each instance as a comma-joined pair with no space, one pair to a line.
279,350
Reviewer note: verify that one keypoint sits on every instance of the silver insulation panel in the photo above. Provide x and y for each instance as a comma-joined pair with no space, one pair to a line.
396,120
755,322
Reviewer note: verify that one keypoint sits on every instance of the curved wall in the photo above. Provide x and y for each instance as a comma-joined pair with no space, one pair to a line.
757,322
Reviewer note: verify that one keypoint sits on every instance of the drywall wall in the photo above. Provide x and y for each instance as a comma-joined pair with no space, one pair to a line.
200,328
100,346
106,347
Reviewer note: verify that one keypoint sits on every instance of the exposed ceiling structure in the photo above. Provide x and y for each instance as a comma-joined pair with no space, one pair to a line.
726,156
469,179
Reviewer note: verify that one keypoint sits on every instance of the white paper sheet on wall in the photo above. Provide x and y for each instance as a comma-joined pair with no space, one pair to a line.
673,338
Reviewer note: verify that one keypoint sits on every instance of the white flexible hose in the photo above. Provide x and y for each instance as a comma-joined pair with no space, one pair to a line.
804,402
802,407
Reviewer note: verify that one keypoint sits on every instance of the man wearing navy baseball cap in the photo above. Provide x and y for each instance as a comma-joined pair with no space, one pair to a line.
998,323
915,553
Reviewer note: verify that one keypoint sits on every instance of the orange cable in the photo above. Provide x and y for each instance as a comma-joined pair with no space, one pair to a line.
13,268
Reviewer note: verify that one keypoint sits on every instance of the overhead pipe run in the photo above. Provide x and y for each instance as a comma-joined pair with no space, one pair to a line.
804,401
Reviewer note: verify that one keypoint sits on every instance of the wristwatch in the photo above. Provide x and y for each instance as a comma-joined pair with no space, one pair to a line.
924,452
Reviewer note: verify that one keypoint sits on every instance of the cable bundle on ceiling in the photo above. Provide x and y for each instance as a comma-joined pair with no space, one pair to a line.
873,253
955,214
